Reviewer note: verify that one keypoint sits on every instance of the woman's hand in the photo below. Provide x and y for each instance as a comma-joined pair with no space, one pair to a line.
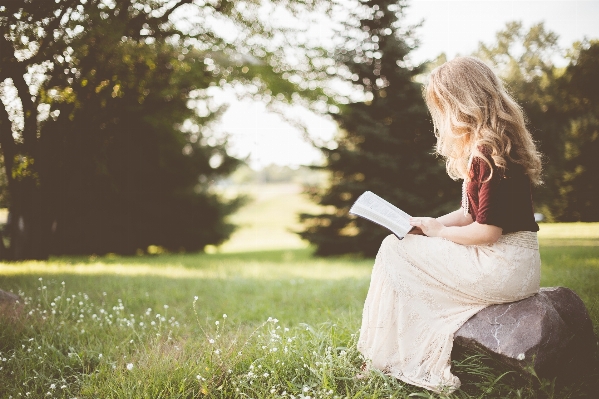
416,231
429,226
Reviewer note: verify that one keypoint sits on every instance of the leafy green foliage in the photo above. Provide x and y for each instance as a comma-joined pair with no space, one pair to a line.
580,186
561,106
116,150
125,172
386,141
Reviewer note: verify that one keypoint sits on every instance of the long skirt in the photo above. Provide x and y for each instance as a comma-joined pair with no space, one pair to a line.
423,289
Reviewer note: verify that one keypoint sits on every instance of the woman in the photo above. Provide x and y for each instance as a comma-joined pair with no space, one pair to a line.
424,287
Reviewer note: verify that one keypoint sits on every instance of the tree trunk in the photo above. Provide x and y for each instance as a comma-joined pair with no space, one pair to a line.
28,232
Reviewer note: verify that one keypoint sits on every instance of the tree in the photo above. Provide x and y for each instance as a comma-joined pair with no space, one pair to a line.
561,108
122,169
524,60
44,47
579,86
385,142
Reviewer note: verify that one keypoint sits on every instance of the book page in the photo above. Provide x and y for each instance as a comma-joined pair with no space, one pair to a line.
372,207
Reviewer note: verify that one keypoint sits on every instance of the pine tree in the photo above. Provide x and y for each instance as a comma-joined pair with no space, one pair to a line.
385,143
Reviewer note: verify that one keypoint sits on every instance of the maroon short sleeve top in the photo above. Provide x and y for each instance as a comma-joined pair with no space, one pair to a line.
504,201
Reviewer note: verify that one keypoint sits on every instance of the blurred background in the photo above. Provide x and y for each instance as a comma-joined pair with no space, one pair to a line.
148,126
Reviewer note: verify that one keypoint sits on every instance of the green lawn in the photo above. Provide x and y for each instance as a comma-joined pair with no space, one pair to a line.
154,326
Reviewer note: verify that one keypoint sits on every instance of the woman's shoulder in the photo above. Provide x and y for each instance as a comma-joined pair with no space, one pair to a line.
482,167
485,167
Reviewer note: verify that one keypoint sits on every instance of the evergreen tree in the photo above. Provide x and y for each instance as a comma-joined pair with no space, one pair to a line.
120,170
385,143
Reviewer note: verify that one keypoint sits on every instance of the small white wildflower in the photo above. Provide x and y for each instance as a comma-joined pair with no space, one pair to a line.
224,315
166,306
63,387
286,329
211,340
521,356
265,374
217,322
217,352
52,386
100,356
129,366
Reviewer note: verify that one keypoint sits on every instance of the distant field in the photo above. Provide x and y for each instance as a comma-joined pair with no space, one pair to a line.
269,220
155,326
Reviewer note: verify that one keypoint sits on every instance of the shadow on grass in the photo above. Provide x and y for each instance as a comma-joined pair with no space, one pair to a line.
482,375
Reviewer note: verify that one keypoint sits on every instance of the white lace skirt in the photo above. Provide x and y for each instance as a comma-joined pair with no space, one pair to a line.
424,288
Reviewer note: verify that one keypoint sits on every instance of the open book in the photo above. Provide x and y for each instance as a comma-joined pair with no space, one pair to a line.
372,207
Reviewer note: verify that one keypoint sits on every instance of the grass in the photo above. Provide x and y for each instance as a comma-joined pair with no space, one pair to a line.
155,326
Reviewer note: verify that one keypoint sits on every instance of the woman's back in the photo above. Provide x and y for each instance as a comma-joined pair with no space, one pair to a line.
505,200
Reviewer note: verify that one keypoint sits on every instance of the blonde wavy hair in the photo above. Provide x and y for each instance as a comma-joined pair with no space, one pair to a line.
471,110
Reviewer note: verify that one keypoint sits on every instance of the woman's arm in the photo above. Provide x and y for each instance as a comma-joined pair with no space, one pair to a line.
455,218
472,234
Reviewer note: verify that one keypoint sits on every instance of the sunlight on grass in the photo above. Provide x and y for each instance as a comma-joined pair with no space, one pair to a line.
260,270
569,234
269,221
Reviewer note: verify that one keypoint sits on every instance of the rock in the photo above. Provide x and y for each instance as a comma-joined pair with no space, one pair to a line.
550,331
9,302
8,297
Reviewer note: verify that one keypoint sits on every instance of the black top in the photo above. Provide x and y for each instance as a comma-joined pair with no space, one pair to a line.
503,201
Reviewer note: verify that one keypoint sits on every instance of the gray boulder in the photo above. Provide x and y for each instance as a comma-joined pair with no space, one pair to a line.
9,302
550,332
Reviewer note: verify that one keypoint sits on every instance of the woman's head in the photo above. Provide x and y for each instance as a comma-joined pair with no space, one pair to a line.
472,110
